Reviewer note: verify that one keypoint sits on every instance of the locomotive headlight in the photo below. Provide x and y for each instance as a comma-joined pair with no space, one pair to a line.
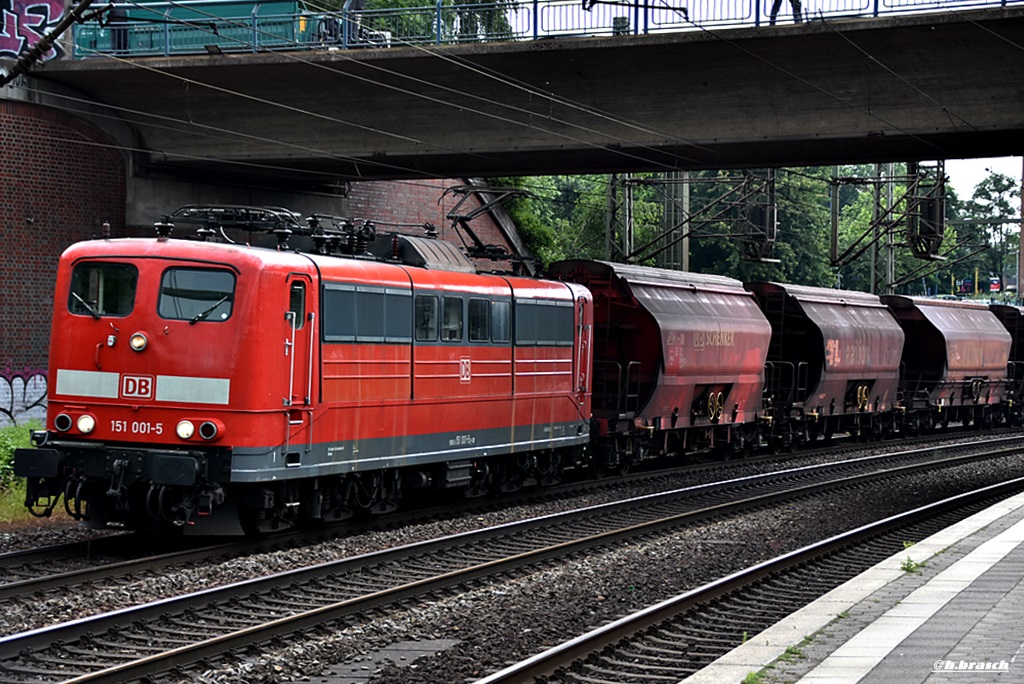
138,342
86,423
185,429
62,422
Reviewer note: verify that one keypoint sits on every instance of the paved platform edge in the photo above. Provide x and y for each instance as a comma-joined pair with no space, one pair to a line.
765,647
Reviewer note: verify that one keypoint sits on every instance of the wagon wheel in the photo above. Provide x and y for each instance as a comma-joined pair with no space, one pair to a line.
913,425
828,431
783,441
878,429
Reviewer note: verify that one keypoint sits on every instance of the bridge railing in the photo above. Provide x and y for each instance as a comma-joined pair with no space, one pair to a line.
198,26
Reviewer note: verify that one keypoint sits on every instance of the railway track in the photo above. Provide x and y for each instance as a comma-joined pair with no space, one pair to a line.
136,642
57,568
678,637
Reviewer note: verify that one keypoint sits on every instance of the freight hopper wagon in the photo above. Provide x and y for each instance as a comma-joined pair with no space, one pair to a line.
833,363
678,361
954,362
1012,318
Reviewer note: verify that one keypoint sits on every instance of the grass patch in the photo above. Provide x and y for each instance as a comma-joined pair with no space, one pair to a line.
12,489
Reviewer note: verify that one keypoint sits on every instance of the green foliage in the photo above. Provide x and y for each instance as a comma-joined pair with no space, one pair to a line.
993,200
792,654
563,216
567,217
11,438
461,20
911,565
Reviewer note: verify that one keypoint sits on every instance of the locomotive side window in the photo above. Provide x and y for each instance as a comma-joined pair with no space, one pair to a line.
196,294
366,314
544,322
526,323
370,316
99,289
479,320
451,330
398,314
426,318
555,323
339,313
297,305
500,328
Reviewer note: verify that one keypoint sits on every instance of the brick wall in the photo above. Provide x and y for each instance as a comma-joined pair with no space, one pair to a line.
61,180
418,202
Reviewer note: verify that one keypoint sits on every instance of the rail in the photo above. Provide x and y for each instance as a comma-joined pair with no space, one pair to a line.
219,26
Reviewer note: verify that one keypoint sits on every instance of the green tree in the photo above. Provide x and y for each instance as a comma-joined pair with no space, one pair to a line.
414,21
993,201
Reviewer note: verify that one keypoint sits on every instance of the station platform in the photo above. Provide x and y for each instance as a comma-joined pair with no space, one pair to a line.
958,617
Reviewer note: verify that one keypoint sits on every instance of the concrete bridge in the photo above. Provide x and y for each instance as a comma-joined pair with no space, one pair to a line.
906,87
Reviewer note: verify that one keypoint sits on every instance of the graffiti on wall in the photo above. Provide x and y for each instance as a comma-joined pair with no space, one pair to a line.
22,396
25,22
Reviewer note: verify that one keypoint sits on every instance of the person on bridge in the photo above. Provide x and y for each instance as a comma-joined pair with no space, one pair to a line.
795,4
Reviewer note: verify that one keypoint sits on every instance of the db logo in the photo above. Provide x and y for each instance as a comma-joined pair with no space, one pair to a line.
137,386
465,369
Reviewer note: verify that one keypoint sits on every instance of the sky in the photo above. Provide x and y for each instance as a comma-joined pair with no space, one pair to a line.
964,174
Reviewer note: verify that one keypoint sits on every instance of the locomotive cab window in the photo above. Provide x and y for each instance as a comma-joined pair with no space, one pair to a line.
196,294
103,289
297,305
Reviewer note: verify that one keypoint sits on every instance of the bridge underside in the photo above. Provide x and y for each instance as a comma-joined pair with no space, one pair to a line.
900,88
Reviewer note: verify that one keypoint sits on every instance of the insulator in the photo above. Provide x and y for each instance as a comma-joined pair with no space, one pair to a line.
164,227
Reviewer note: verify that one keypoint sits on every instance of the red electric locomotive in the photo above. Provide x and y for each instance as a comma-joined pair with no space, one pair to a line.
227,387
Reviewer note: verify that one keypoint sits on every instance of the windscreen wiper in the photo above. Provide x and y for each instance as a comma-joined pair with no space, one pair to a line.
201,316
87,305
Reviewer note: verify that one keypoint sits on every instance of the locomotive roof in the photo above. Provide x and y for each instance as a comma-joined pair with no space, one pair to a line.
158,247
